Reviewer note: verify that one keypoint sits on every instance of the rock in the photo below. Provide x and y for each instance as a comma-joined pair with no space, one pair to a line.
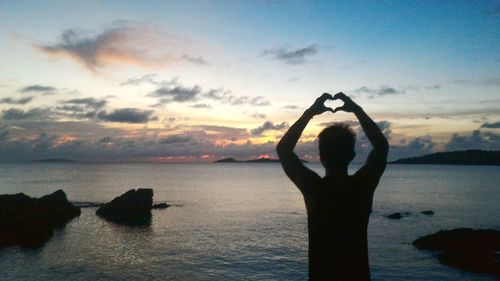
429,213
465,248
131,208
160,206
397,216
30,222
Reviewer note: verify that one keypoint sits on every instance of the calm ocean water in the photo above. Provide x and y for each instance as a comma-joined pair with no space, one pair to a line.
238,222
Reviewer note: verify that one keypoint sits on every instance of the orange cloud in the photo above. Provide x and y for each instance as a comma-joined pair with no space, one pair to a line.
124,43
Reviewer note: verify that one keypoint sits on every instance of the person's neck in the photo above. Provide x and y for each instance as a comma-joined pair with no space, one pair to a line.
336,171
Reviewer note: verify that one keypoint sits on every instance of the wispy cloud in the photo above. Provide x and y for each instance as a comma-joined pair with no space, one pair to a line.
88,102
127,115
485,82
385,90
177,93
494,125
124,42
297,56
380,91
147,78
19,114
259,116
176,139
20,101
172,91
201,105
38,89
81,108
195,60
226,96
268,126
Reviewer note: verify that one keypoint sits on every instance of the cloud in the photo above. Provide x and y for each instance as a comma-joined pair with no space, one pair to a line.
93,141
195,60
118,148
297,56
380,91
106,140
291,107
201,105
259,116
259,101
176,139
21,101
4,134
494,125
88,102
38,88
476,140
415,147
19,114
494,82
124,42
433,87
268,126
81,108
217,94
172,91
127,115
218,132
176,93
226,97
147,78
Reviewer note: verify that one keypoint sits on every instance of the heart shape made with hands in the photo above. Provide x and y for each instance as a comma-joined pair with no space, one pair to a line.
333,103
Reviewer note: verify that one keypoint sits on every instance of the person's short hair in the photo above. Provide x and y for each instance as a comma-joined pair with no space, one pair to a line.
336,145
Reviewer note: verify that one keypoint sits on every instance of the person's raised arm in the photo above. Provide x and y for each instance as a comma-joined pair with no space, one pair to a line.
377,159
292,165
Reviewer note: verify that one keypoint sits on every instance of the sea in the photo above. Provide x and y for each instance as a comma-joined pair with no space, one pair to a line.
239,221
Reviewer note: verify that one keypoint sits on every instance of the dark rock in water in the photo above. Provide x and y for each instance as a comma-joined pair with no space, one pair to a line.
131,208
429,213
465,248
160,206
397,216
30,221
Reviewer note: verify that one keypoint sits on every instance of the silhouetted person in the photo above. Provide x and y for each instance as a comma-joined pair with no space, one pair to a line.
338,205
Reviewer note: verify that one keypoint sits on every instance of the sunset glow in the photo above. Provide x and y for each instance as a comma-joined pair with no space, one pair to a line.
192,81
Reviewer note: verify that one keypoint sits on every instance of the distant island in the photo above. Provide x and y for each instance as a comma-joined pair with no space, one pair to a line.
463,157
54,160
259,160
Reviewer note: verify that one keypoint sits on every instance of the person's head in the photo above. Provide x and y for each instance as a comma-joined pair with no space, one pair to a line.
336,145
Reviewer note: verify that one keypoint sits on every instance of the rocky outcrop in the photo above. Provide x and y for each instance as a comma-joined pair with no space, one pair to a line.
465,248
428,213
131,208
30,221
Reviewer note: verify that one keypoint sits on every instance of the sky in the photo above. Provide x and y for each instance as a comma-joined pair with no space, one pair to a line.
197,81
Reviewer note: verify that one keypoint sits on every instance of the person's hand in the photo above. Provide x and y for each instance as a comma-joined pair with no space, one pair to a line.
319,107
349,105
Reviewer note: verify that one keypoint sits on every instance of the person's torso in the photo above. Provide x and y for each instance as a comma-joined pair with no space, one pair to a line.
338,213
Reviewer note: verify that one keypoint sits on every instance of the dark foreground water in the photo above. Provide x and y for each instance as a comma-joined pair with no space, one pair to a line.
238,222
